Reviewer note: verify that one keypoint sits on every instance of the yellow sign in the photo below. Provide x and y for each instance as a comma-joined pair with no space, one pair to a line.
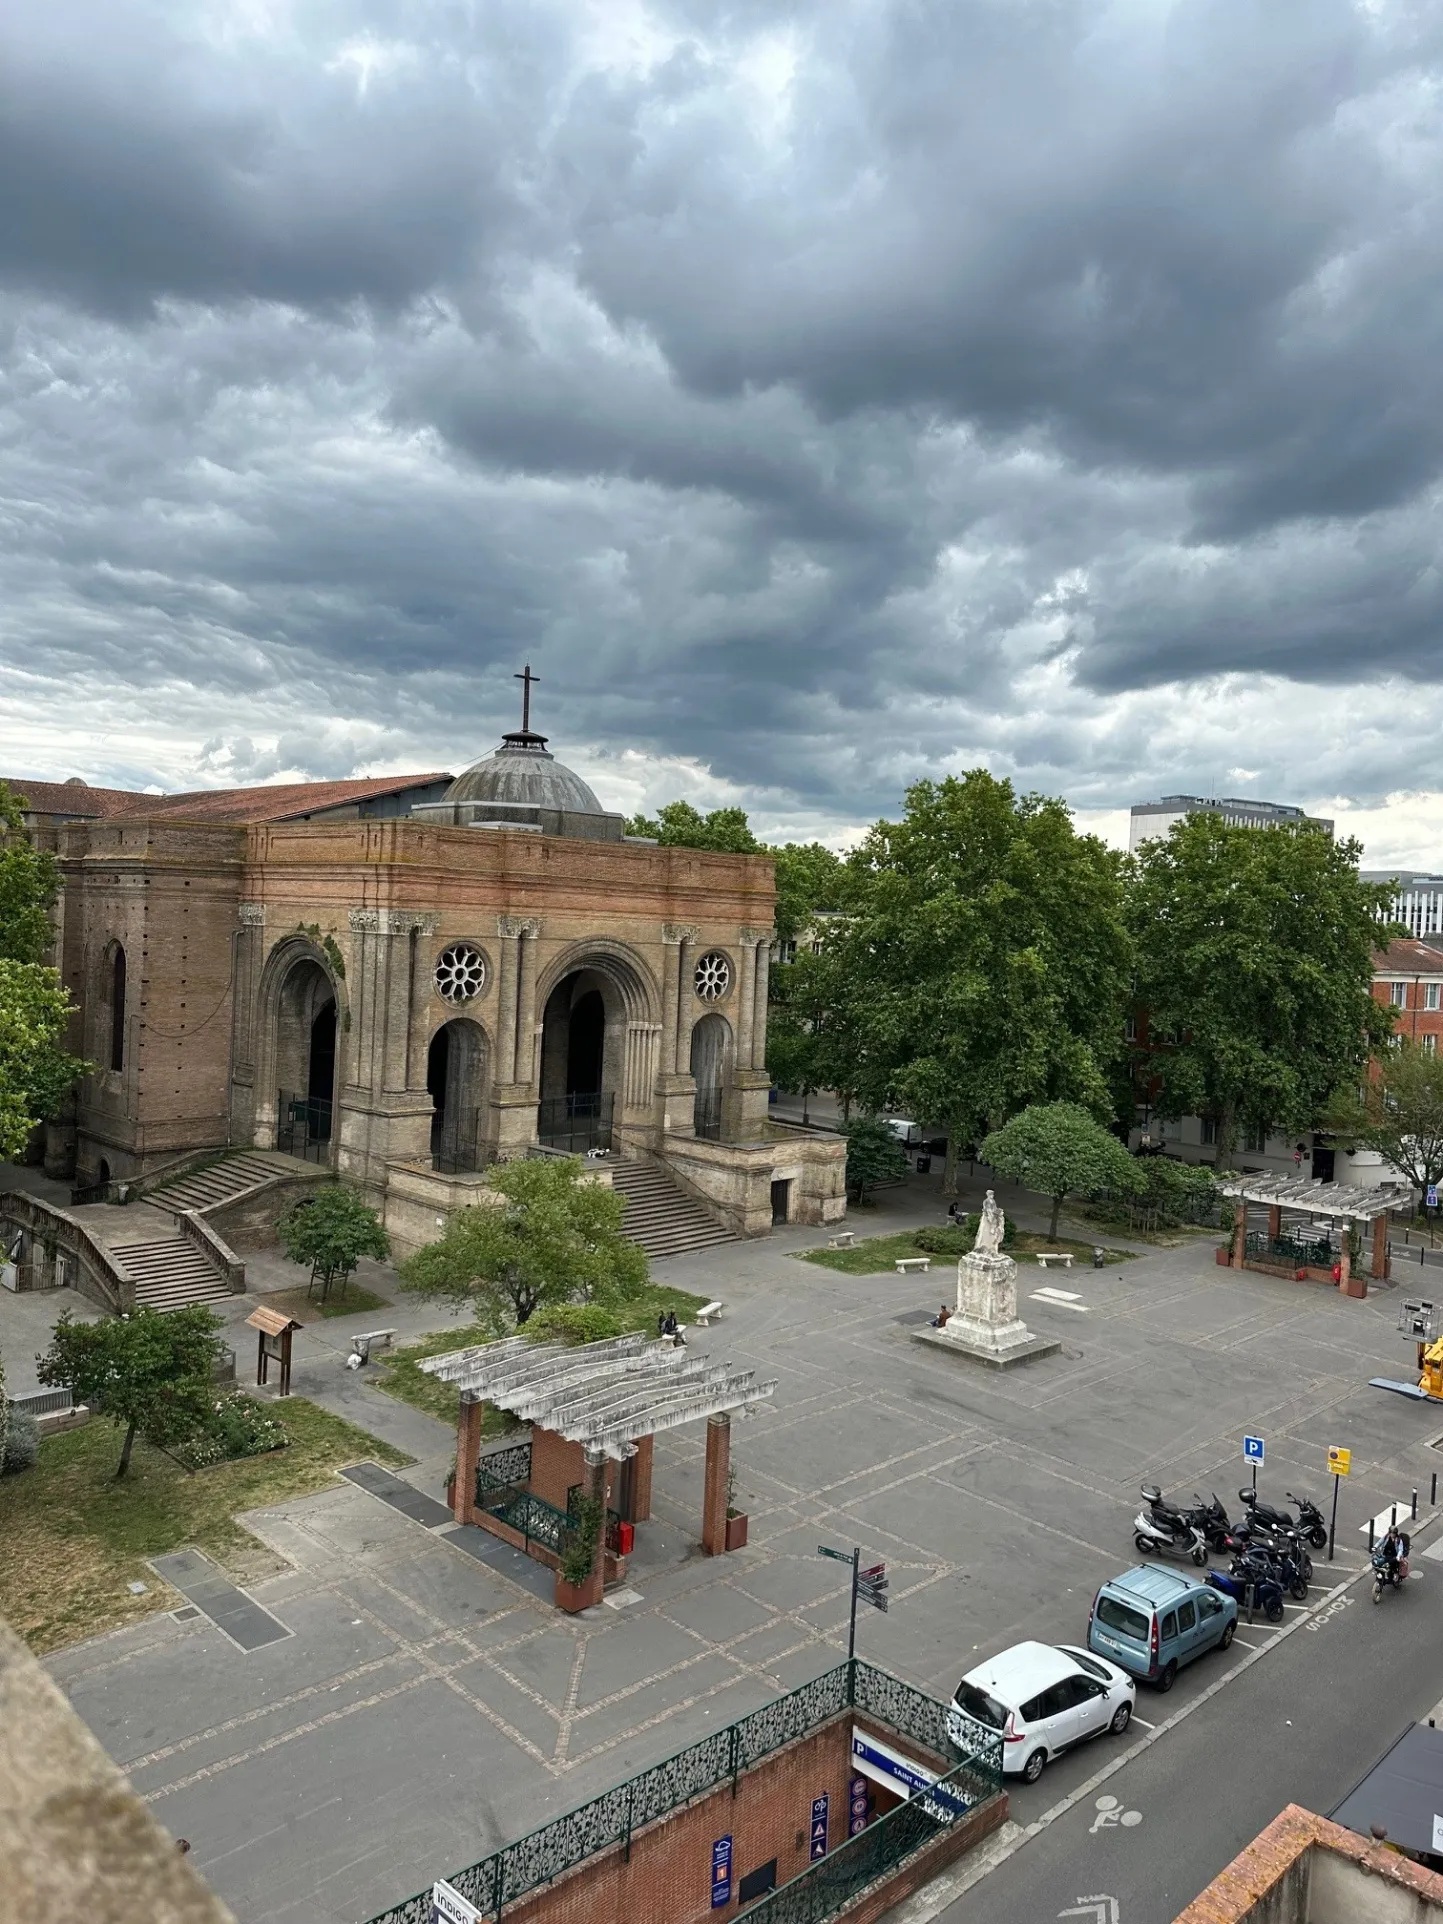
1340,1462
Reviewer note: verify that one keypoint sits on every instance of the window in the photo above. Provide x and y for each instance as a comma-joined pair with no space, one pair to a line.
1430,1045
1208,1605
1058,1699
117,1009
1209,1131
1257,1140
1431,995
1090,1665
1169,1627
1130,1029
1117,1616
979,1706
1398,995
1187,1616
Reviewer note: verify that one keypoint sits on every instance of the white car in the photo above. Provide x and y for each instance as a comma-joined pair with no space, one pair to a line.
1043,1698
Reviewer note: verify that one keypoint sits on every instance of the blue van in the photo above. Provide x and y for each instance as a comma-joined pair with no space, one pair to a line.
1152,1621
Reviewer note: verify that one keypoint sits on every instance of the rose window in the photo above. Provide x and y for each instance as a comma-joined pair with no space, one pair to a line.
460,972
713,976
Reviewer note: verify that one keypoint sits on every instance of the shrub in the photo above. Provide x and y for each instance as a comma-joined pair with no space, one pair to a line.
22,1443
950,1239
579,1555
235,1426
574,1323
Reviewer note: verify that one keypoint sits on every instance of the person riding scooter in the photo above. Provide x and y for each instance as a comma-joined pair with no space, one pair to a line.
1392,1552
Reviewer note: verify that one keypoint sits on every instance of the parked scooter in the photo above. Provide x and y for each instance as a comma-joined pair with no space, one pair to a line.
1279,1546
1163,1532
1267,1591
1289,1565
1310,1522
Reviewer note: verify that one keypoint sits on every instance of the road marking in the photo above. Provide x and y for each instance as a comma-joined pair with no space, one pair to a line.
1249,1646
1098,1910
1400,1512
1326,1614
1110,1813
1143,1721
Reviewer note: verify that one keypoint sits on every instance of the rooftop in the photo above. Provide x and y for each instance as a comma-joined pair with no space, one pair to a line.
1405,957
1339,1200
280,802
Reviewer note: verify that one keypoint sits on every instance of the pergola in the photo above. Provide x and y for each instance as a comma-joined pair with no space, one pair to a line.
589,1406
1330,1201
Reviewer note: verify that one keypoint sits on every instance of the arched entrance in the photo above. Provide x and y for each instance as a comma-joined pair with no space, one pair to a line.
306,1061
583,1044
456,1068
710,1059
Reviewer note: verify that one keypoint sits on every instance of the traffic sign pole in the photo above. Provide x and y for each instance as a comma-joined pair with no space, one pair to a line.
852,1633
1333,1521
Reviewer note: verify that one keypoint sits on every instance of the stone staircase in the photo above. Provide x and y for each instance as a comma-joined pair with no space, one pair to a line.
170,1273
221,1182
660,1216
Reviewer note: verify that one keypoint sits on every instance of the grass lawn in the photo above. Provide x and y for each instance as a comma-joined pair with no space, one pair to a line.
1173,1237
295,1303
878,1253
399,1374
75,1536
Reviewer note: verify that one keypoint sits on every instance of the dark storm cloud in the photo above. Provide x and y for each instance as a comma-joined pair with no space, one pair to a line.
823,394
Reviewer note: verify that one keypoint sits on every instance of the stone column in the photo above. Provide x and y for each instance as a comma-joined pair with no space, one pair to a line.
508,988
1240,1234
526,1015
686,967
1379,1267
759,1015
378,1115
670,950
676,1085
718,1474
253,1110
468,1452
746,997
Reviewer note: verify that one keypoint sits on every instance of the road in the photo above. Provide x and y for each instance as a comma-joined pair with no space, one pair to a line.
1300,1723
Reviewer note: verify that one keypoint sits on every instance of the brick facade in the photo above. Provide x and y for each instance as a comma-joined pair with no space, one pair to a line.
1408,979
667,1876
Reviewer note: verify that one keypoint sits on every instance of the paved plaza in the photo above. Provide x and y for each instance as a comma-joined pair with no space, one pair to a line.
425,1707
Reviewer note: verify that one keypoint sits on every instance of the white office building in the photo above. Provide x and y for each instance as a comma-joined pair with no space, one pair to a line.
1151,819
1418,899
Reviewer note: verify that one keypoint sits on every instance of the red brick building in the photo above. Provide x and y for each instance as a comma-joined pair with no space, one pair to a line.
1408,980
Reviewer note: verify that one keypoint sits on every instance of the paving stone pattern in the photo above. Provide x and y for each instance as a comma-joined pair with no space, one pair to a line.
427,1707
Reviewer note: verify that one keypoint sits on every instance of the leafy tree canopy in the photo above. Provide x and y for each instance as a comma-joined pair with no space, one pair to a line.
1059,1149
808,875
983,959
151,1374
726,831
35,1071
1255,952
1399,1112
873,1155
332,1231
551,1238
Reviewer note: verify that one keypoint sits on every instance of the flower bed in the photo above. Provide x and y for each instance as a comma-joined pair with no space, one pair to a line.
237,1426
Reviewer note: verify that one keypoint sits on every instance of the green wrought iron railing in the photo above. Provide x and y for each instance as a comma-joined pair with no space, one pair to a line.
721,1757
1294,1250
538,1521
502,1472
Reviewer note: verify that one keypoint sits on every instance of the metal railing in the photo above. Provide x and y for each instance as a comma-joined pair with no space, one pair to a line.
502,1473
536,1520
459,1152
303,1126
575,1123
1295,1251
721,1757
707,1114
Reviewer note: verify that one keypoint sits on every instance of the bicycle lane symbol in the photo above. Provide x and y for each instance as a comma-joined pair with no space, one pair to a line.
1110,1814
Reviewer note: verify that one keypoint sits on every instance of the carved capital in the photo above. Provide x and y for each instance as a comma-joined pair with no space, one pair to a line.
512,925
251,915
392,921
755,937
677,932
364,921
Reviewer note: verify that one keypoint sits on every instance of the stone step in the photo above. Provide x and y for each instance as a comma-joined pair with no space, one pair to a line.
170,1273
659,1214
218,1183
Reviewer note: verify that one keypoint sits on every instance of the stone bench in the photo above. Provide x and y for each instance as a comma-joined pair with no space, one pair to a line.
362,1345
1047,1257
906,1264
709,1313
847,1240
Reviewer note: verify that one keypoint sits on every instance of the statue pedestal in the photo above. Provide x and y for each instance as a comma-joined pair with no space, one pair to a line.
986,1327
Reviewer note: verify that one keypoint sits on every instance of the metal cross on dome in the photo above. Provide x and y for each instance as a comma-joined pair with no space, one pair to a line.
527,681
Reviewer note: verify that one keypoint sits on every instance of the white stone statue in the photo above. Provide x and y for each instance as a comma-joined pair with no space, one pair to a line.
990,1228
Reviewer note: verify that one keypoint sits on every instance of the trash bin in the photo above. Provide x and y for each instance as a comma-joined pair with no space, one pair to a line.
924,1165
1099,1257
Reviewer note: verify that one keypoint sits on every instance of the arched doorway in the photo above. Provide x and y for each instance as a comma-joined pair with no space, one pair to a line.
710,1057
456,1066
306,1061
583,1042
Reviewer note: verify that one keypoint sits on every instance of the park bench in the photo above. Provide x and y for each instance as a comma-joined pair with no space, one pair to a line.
906,1264
846,1240
361,1346
1047,1257
709,1313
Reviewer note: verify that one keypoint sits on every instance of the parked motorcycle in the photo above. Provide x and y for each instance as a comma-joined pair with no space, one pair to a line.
1289,1564
1389,1576
1210,1518
1310,1522
1267,1591
1274,1542
1161,1534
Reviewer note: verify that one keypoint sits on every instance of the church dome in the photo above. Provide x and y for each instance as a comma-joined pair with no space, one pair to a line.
522,774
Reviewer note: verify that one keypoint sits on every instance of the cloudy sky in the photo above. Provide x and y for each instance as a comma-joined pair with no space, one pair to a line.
817,395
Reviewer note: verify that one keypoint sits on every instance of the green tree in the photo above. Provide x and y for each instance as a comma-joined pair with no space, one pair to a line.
1398,1111
151,1374
552,1238
1255,952
35,1071
332,1231
1059,1149
983,958
725,831
810,880
873,1155
805,1027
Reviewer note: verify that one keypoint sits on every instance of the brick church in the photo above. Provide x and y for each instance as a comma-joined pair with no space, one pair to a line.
409,978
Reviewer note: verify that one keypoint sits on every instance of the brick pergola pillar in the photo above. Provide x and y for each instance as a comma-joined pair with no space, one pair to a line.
641,1480
1275,1222
1379,1268
468,1451
1240,1233
718,1475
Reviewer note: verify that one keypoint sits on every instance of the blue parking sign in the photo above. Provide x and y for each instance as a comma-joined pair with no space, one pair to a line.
1252,1449
1431,1199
